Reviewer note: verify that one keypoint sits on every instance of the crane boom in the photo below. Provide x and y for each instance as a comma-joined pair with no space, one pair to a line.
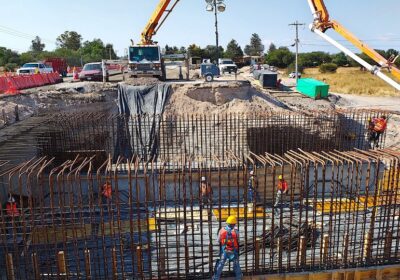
157,19
322,22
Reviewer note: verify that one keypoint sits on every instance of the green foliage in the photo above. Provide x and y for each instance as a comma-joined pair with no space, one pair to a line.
233,50
281,57
69,40
211,52
340,59
272,47
256,47
292,68
8,56
174,50
37,45
328,68
313,59
195,51
11,67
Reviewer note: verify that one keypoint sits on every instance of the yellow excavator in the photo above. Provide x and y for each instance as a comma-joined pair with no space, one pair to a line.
145,59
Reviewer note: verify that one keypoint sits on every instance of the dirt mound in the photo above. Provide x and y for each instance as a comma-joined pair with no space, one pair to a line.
218,98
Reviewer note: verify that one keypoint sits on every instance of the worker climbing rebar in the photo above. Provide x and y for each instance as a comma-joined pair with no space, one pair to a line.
376,127
205,193
252,187
228,238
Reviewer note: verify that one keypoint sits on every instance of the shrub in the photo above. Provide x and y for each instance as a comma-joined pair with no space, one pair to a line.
11,67
328,68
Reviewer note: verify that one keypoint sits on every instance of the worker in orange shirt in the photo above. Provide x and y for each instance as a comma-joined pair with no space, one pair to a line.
379,128
228,239
282,189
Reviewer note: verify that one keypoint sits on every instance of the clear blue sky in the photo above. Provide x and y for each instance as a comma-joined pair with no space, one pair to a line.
118,21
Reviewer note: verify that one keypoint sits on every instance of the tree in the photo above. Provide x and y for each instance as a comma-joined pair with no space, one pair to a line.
211,52
69,40
281,57
313,59
256,48
272,47
340,59
37,45
195,51
110,52
8,56
233,50
93,51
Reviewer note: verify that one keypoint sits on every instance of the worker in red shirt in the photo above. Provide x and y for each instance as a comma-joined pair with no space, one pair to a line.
282,188
379,128
106,192
11,208
228,239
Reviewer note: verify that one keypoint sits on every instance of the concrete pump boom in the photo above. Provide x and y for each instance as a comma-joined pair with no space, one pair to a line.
157,19
322,22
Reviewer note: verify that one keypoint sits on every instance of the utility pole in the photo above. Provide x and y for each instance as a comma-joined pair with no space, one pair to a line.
216,29
297,24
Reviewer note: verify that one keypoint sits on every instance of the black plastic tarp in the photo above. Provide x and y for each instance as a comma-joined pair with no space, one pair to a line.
138,126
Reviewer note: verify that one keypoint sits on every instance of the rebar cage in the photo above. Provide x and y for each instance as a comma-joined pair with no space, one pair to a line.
341,211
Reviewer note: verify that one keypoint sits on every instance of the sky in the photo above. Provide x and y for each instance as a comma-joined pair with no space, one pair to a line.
118,21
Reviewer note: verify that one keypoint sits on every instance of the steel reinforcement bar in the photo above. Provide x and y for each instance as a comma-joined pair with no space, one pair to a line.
150,221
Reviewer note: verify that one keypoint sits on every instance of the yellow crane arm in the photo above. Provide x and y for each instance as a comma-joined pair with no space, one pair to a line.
323,22
159,16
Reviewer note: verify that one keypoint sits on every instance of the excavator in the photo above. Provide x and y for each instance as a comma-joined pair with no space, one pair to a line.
146,58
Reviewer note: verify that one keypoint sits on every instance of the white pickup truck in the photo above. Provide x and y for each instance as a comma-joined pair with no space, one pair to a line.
34,67
227,65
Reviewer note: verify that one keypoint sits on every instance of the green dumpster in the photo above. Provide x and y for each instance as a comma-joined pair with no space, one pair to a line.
313,88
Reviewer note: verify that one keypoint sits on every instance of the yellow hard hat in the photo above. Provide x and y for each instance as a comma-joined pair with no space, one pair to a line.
231,220
280,177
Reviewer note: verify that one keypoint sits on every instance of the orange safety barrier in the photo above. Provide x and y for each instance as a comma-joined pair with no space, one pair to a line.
3,84
12,87
12,84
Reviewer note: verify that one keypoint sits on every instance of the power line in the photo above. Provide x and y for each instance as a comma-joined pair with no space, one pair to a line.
20,34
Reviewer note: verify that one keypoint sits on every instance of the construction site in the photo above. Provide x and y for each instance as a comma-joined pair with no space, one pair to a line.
105,180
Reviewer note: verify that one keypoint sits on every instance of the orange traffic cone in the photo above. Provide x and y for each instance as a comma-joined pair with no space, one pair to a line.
11,88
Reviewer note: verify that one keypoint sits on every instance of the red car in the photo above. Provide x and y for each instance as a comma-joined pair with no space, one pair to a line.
91,72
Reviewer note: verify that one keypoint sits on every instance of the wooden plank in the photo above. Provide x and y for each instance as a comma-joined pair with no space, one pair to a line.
240,213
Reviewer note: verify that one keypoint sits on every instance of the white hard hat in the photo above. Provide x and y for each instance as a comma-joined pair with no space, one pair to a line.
11,199
252,172
203,179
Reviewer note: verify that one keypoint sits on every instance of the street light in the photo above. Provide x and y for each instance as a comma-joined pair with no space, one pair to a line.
216,6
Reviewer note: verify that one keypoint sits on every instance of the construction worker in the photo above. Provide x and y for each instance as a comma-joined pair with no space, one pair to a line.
228,239
106,192
252,187
379,128
11,208
282,188
205,192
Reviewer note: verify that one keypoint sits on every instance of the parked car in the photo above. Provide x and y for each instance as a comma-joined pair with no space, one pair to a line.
91,72
293,75
34,67
227,65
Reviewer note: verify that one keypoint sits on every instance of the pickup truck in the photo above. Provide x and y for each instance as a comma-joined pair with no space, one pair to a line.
34,67
227,65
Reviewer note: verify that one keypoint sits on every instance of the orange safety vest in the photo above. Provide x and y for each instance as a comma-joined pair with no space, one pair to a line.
282,186
107,190
229,241
12,209
380,125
